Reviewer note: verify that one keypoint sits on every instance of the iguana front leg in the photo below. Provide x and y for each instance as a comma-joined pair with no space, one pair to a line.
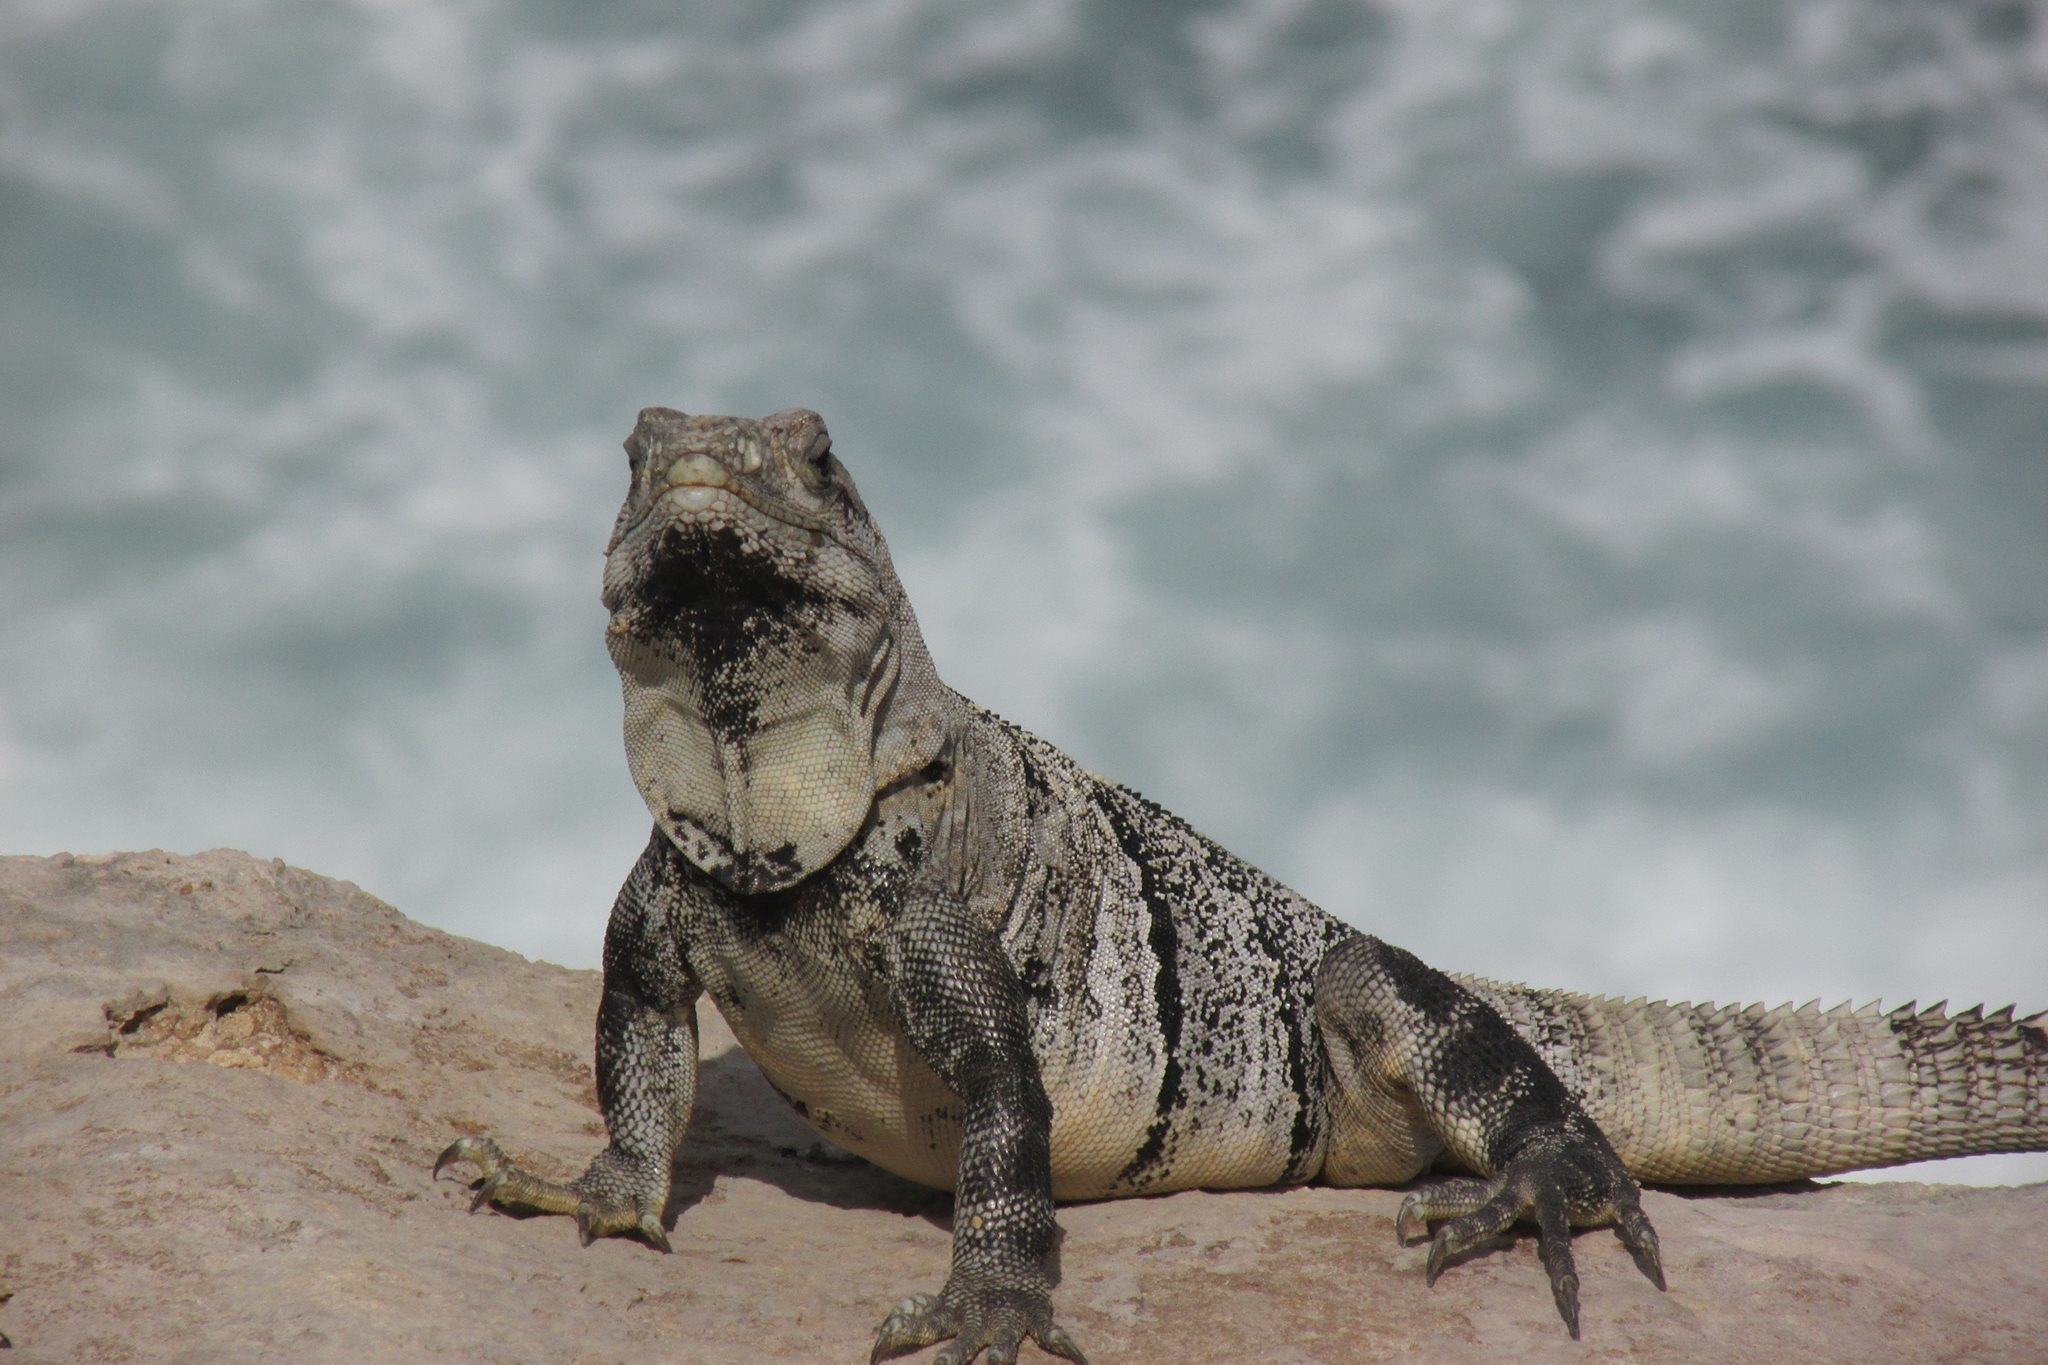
646,1081
1422,1065
961,1005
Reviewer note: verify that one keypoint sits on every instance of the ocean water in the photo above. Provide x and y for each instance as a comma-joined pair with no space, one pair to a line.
1564,484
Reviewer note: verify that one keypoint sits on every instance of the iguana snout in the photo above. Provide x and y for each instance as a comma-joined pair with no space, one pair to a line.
780,467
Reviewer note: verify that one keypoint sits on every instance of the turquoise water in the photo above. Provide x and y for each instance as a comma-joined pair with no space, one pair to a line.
1565,484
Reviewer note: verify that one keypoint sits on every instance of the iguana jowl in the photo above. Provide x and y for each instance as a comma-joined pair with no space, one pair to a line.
967,959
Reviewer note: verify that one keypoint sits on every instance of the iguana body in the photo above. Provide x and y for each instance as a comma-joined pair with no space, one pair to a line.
967,959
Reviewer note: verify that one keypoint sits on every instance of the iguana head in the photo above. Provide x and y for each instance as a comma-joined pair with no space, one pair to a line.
773,671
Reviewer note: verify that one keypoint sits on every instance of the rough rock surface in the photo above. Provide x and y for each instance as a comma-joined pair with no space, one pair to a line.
223,1082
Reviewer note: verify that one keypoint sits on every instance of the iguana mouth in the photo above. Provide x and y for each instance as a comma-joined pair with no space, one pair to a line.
694,496
695,484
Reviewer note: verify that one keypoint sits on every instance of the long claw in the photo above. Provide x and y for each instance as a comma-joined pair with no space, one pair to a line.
1554,1244
914,1322
1565,1290
482,1151
1056,1340
1410,1224
1439,1250
650,1228
1574,1178
1641,1240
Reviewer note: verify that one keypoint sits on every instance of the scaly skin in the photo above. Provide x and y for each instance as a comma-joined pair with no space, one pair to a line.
962,956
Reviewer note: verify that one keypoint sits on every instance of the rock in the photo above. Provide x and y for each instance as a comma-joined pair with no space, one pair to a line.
223,1083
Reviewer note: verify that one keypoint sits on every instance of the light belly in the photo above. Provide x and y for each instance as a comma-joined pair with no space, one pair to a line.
832,1048
1098,1133
829,1041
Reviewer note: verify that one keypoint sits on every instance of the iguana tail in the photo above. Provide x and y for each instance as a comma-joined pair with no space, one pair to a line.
1740,1094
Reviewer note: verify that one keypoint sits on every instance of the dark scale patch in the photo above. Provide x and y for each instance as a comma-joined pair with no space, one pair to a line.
1476,1063
1039,792
1017,1153
1164,941
719,599
1549,1027
1914,1030
1924,1040
703,850
1421,987
1035,976
643,947
754,871
1536,1101
1362,1032
761,919
1305,1139
2034,1038
873,870
1304,1048
1466,1069
1247,1034
743,872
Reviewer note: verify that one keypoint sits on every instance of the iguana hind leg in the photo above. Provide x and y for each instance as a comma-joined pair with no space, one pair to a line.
1420,1065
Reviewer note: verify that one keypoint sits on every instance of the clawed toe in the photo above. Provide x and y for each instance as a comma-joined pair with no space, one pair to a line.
1556,1184
1057,1340
991,1320
652,1230
483,1152
917,1321
487,1157
615,1195
1634,1229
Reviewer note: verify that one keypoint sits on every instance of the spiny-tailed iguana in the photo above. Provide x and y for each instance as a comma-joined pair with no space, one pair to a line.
965,958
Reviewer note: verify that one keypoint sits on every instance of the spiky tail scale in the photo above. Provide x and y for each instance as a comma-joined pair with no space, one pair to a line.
1740,1094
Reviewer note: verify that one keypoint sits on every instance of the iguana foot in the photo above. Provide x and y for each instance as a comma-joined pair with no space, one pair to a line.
996,1318
1559,1180
617,1194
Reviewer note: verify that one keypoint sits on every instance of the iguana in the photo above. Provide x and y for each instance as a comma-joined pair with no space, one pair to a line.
962,956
